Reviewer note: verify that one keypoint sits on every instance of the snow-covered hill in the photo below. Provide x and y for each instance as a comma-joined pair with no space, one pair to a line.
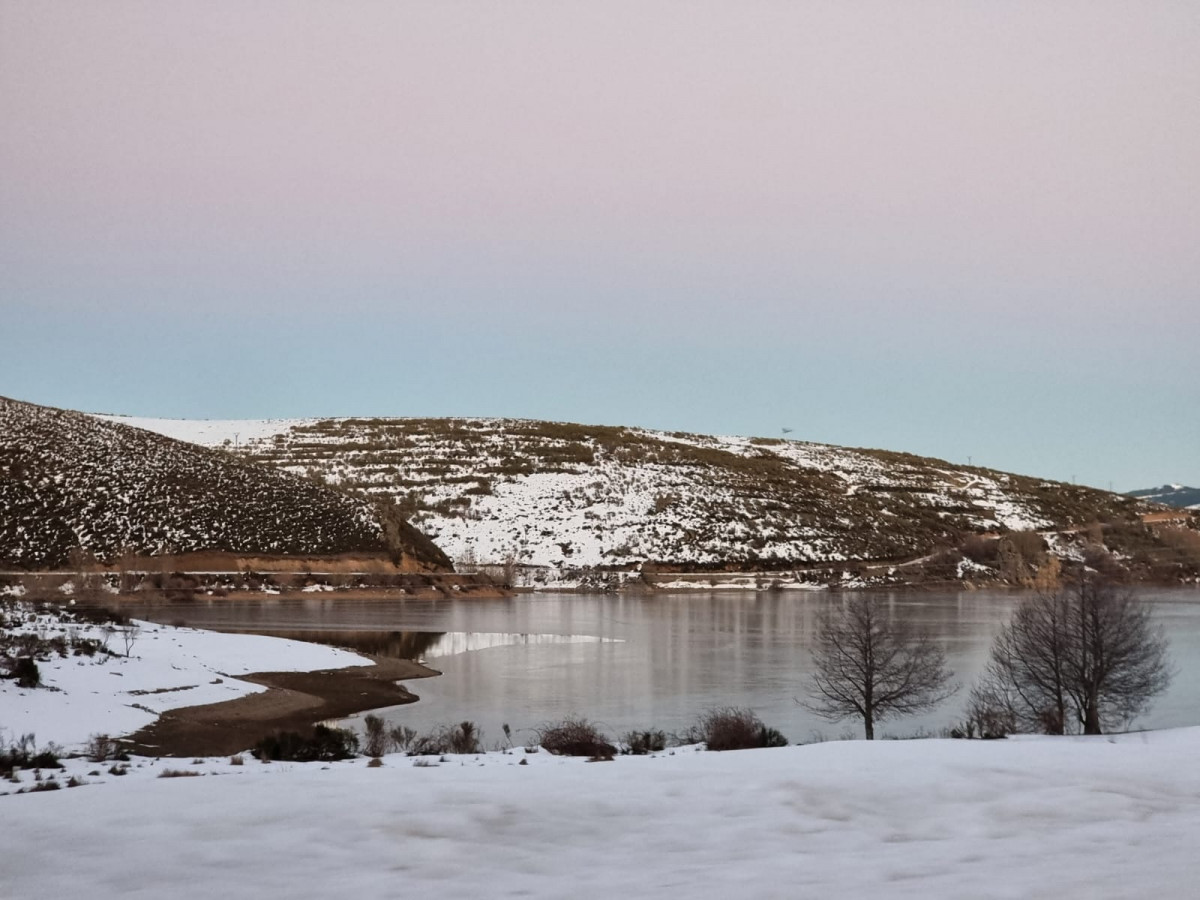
70,480
1171,495
569,496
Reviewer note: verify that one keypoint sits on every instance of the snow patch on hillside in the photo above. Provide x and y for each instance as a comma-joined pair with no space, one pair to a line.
568,498
210,432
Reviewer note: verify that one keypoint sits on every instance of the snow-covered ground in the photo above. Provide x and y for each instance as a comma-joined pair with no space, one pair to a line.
210,432
166,668
1027,817
1039,817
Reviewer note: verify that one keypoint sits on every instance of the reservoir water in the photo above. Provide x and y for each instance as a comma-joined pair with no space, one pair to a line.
634,661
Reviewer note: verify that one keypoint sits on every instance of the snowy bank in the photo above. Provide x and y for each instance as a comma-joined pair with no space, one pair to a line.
1041,817
166,668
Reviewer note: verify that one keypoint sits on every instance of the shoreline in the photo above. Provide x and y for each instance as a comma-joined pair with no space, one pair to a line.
293,701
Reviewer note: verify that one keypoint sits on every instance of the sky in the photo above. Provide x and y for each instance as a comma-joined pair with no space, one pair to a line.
962,229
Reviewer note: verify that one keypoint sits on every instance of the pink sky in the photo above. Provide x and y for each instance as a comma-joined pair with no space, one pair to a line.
909,171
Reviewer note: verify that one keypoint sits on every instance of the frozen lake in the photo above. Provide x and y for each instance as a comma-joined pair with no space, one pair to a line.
648,660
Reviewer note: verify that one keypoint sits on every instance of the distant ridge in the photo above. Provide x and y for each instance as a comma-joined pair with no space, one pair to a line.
1171,495
70,480
568,500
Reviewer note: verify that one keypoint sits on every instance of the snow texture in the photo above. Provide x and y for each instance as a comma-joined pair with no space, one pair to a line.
210,432
167,667
69,480
1030,818
563,499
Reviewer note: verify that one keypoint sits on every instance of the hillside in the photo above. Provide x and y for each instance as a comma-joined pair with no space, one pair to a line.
568,498
1171,495
69,480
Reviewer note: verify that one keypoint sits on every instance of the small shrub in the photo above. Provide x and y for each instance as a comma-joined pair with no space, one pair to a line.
48,785
987,717
25,670
463,738
639,743
431,744
116,769
102,748
325,744
237,760
401,737
574,737
178,773
23,754
376,739
772,737
85,646
734,728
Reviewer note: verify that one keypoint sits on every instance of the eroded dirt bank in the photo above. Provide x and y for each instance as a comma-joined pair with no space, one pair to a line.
293,701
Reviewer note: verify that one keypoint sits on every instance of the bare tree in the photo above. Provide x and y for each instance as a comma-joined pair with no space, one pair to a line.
873,666
129,635
1082,658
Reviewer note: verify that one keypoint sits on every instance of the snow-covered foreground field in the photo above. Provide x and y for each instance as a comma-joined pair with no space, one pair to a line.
1021,818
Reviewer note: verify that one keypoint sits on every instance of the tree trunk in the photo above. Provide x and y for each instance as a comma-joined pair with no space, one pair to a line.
1091,717
869,725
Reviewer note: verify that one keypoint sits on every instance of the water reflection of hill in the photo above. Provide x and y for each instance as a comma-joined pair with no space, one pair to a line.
452,643
422,645
396,644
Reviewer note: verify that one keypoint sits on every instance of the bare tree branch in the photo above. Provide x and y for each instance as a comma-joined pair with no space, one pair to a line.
872,666
1083,658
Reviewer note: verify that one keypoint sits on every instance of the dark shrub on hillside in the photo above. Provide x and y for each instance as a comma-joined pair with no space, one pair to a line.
982,549
734,728
575,737
325,744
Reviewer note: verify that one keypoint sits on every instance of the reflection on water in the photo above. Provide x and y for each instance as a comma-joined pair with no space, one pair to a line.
414,645
455,642
637,661
421,646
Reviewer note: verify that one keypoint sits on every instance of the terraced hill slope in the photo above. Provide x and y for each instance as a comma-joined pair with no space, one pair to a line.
572,497
69,480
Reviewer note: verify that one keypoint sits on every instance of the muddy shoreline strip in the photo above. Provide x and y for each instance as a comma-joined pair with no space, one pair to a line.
293,701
